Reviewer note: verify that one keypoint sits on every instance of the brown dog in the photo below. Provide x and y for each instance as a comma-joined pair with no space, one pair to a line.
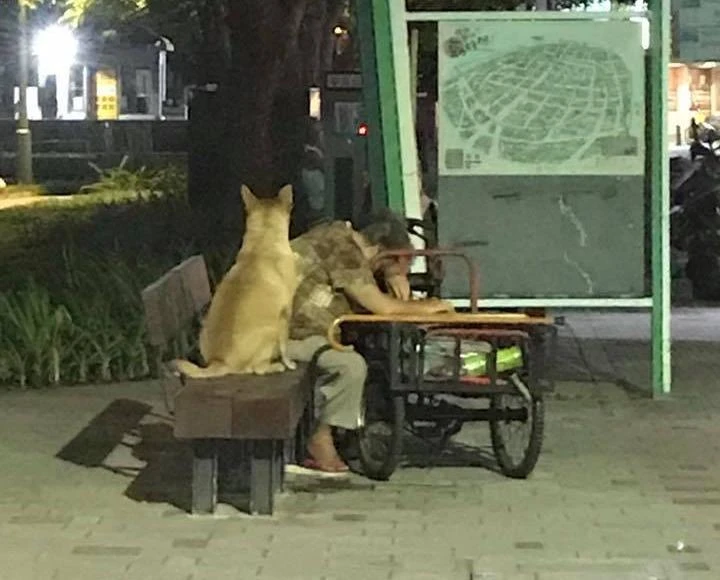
246,328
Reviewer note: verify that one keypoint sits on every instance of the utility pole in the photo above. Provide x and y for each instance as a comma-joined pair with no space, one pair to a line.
23,157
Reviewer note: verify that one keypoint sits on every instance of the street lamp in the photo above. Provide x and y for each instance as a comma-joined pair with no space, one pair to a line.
56,49
164,45
23,158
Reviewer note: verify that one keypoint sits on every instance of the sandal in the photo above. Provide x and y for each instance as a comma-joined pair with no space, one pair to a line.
336,468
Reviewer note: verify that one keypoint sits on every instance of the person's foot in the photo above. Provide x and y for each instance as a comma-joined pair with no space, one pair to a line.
322,453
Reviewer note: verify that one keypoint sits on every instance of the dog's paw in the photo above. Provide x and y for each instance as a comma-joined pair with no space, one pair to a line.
290,364
269,368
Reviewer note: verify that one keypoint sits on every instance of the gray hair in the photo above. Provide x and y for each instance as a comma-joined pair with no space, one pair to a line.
387,230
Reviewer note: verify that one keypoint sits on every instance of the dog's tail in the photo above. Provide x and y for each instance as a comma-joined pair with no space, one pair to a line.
185,367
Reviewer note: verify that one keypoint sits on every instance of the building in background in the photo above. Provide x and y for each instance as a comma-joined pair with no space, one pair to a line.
694,79
694,93
112,77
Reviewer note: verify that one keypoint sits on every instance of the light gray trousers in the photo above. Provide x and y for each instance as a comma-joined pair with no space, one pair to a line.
342,380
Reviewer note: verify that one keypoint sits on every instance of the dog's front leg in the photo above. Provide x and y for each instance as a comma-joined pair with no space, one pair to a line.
290,364
283,340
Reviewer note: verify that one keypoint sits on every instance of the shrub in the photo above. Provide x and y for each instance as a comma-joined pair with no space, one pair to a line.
70,309
144,181
32,337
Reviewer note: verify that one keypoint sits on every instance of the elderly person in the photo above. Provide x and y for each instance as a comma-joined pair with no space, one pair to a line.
337,267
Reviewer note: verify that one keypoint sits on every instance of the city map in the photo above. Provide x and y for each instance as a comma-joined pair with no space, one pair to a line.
528,98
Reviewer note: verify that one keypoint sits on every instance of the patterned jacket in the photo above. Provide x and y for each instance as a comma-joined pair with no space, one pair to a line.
329,260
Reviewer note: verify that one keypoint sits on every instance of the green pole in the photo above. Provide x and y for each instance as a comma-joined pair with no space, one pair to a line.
659,187
371,104
387,94
23,158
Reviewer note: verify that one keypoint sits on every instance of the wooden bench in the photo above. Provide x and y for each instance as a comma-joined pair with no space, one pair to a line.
242,424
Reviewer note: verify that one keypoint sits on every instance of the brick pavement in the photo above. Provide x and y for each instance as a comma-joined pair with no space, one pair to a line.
626,489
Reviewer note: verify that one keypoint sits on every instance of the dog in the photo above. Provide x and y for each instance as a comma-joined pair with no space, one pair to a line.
247,325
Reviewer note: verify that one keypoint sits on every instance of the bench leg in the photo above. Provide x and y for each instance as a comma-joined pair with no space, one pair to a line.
279,467
264,476
204,476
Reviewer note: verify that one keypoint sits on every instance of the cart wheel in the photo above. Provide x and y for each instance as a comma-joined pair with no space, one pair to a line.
517,444
380,439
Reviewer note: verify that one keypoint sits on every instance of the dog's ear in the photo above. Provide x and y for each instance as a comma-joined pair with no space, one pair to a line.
248,197
285,195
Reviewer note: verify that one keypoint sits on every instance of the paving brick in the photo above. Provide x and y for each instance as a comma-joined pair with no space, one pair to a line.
190,543
40,520
231,573
99,550
694,566
87,571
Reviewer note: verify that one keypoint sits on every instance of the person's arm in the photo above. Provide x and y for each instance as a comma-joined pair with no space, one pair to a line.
372,299
395,278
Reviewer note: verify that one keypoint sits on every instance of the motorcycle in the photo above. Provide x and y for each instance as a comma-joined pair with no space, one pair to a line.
695,213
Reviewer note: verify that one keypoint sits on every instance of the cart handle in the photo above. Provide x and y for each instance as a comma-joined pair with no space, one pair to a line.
472,267
451,319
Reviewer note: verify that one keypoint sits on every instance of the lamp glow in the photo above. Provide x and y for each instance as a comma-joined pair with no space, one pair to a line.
56,48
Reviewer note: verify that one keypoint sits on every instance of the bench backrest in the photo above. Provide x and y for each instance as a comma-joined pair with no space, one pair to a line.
174,301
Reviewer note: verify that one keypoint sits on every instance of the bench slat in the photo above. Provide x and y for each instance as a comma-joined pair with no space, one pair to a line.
152,298
195,281
172,302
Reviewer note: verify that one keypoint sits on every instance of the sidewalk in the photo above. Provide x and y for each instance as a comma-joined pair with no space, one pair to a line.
626,489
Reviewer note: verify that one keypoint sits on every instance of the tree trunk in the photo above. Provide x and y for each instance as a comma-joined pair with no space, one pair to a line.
214,55
262,33
316,38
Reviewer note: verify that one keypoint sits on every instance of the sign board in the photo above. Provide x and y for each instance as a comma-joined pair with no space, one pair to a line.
541,98
542,157
343,80
697,30
106,94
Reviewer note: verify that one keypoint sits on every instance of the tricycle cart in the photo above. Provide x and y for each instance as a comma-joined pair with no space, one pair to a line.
423,369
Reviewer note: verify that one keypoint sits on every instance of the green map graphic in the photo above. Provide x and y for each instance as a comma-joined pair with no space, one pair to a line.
547,104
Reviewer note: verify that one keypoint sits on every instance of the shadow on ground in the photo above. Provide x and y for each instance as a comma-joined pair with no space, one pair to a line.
143,448
104,433
128,439
430,452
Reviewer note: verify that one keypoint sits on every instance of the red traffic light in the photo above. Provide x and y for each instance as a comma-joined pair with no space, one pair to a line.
362,130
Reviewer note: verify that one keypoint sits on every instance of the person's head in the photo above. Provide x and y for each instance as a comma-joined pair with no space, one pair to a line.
385,231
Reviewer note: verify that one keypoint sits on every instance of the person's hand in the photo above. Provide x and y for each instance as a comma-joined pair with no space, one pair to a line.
398,286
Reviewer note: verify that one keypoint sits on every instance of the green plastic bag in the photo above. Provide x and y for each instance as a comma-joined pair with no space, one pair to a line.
475,364
440,357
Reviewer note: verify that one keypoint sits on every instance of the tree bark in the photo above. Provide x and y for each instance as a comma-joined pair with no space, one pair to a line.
316,38
262,34
214,54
